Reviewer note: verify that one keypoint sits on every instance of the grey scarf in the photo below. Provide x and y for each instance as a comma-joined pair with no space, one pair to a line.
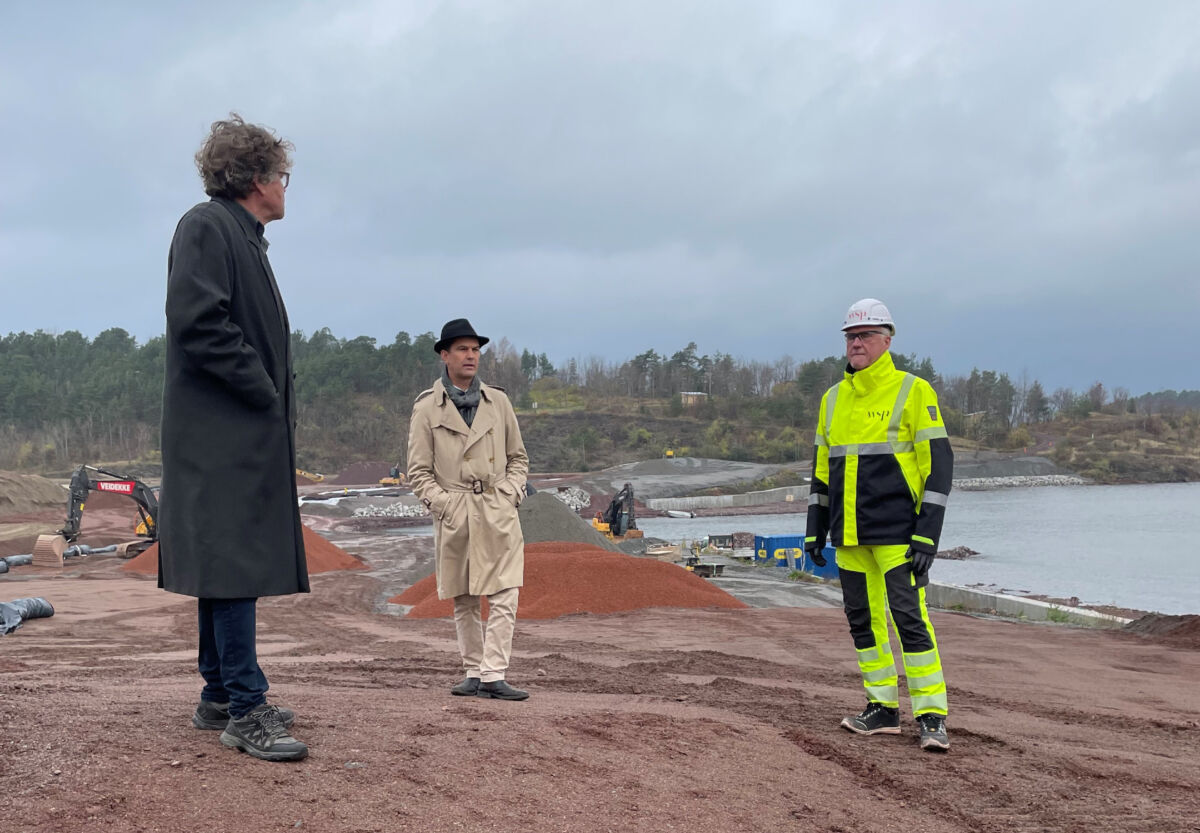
466,401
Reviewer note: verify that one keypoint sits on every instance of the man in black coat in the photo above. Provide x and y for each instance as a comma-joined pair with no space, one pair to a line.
229,523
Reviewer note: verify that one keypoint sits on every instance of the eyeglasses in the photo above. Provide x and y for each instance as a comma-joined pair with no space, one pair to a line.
285,178
850,337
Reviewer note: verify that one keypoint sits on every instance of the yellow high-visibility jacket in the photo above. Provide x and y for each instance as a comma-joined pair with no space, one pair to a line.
883,464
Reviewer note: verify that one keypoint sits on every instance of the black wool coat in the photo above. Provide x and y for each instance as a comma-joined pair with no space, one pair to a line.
229,520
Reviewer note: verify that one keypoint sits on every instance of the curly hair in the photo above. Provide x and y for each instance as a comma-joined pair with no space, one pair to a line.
236,153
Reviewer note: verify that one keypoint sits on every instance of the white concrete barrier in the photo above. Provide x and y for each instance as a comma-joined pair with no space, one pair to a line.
953,597
780,495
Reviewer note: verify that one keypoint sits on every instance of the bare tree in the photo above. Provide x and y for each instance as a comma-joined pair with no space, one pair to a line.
1063,399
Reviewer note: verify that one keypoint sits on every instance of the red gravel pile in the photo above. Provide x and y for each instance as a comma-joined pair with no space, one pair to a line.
323,557
97,499
363,474
1183,631
562,578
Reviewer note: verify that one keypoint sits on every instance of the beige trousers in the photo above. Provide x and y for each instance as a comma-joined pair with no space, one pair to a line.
485,652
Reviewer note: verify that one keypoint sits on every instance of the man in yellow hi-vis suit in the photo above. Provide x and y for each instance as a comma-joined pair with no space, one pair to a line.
881,477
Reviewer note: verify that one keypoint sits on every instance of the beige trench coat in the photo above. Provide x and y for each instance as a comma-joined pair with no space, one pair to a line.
472,480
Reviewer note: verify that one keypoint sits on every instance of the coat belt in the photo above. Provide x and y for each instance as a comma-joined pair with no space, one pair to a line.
477,487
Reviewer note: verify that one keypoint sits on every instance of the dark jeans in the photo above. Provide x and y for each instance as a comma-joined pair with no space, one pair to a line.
228,655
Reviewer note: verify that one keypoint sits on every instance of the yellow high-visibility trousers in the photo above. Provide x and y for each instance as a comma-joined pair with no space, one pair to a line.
878,585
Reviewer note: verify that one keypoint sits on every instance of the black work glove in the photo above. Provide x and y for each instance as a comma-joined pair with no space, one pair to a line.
816,557
921,561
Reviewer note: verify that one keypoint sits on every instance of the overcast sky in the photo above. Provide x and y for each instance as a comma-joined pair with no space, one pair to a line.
1018,181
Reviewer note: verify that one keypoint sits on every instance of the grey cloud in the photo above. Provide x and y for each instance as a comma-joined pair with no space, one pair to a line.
1006,174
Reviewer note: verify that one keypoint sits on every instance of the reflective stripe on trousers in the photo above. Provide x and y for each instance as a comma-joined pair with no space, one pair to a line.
877,585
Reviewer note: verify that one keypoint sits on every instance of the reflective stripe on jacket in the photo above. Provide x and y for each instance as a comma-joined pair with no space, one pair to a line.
883,463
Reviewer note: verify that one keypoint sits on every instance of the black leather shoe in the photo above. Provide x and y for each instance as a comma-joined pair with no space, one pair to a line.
501,690
467,688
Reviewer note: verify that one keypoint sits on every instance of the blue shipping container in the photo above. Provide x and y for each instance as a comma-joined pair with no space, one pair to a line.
788,551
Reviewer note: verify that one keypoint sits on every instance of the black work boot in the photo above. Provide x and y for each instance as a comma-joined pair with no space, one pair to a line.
934,737
261,733
875,719
210,715
501,690
469,687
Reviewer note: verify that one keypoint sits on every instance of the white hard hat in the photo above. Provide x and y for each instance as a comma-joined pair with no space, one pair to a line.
866,312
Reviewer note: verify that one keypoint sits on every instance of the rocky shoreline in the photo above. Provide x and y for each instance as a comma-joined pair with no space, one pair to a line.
980,484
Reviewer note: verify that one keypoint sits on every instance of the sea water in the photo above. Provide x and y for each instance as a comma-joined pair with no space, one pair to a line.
1131,546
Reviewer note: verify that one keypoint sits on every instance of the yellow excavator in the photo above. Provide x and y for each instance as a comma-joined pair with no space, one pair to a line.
49,549
308,475
618,522
395,477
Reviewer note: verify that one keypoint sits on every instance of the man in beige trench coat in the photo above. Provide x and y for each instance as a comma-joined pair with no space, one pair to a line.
467,464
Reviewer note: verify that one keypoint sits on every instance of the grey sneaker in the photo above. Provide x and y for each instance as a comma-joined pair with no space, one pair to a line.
933,732
261,733
215,715
875,719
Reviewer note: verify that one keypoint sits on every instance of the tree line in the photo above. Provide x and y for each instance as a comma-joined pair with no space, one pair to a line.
65,398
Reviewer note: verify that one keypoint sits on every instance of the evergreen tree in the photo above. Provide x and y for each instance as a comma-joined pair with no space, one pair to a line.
1037,406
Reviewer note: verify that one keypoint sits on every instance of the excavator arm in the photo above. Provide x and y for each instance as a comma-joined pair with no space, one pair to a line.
620,515
82,484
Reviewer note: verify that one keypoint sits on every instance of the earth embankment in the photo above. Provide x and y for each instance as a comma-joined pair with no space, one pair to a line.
649,719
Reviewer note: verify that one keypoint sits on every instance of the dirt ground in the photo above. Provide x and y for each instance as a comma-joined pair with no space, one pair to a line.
651,720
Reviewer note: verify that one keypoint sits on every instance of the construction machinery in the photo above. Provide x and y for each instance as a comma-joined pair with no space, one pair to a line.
618,521
308,475
49,549
693,564
395,477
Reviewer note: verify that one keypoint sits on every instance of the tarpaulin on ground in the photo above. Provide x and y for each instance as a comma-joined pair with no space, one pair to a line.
13,613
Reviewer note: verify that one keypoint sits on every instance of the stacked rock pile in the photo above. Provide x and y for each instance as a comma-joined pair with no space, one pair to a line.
980,484
574,497
393,510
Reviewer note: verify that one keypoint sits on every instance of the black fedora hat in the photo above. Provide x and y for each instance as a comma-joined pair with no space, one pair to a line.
458,328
